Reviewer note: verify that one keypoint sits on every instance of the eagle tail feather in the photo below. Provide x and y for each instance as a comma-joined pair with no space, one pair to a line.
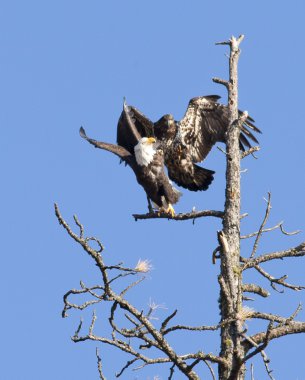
202,178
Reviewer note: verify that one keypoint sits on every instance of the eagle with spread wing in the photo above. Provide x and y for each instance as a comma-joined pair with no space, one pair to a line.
145,158
190,140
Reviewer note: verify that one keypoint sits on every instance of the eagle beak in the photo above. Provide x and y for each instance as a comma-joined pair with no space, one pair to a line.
151,140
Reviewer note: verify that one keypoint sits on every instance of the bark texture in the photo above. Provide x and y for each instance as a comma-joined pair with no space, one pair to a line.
229,238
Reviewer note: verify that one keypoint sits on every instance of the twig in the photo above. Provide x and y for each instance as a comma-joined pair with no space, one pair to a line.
222,150
277,332
259,349
211,369
288,233
297,251
81,228
171,372
128,364
214,254
78,329
250,151
166,320
279,225
91,327
276,318
69,305
259,234
279,281
252,371
99,364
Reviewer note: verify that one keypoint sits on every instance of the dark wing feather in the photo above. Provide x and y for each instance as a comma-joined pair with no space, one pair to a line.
132,126
127,134
206,122
121,152
142,123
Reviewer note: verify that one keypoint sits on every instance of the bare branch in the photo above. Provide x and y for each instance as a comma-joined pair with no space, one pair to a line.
81,228
221,81
250,151
190,215
252,371
69,305
279,225
75,336
171,372
288,233
259,234
274,317
128,364
262,231
252,288
123,292
214,254
166,321
259,349
279,281
99,364
262,346
221,150
211,369
92,323
282,330
297,251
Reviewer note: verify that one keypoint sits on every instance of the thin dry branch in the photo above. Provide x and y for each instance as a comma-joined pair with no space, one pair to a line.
70,305
99,364
260,231
280,281
259,349
279,225
274,317
250,151
293,327
179,217
297,251
253,288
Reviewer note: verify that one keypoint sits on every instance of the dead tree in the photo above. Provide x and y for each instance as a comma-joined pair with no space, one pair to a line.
236,347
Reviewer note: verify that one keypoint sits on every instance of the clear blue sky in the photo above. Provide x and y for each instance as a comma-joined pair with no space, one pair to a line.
69,63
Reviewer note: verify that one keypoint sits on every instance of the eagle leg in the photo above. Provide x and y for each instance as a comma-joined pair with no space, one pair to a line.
150,208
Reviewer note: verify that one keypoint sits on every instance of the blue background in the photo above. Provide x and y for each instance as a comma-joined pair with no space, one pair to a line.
69,63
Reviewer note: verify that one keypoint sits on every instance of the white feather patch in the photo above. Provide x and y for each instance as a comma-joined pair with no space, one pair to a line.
144,152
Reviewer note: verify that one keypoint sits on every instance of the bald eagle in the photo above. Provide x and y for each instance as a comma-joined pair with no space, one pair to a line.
147,162
190,140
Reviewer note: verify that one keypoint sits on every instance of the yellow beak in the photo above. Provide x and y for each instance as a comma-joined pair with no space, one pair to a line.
151,140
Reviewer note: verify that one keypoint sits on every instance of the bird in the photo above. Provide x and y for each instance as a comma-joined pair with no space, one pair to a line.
189,141
147,162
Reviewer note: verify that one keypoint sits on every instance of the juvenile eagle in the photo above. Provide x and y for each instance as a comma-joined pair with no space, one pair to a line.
147,162
190,140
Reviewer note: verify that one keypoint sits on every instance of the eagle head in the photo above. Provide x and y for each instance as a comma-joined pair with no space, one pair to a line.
165,128
145,150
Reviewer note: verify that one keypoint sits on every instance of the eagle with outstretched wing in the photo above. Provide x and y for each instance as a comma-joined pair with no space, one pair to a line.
145,158
190,140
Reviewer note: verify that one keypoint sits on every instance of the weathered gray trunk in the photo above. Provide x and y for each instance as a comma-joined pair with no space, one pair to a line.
229,238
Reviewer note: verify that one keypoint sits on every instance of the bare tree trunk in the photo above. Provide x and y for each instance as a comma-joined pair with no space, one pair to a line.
230,278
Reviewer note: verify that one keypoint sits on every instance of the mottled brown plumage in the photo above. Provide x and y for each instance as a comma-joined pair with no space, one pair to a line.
189,141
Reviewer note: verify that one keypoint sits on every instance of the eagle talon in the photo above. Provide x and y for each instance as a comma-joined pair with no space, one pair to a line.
170,210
